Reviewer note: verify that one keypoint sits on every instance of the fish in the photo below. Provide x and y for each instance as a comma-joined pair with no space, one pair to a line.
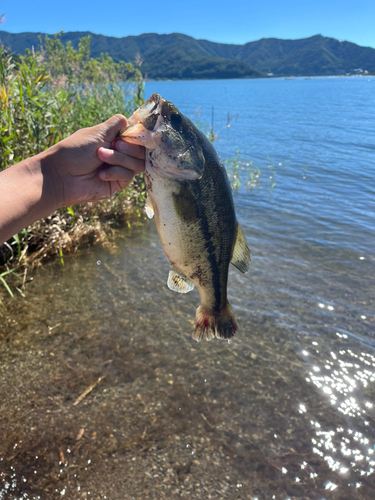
189,194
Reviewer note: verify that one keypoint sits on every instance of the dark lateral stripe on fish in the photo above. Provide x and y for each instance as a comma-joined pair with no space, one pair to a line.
214,265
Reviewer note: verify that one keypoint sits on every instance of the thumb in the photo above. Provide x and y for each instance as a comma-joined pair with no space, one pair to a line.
113,126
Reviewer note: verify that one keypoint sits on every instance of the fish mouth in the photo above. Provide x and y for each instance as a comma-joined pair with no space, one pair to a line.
145,110
142,124
138,134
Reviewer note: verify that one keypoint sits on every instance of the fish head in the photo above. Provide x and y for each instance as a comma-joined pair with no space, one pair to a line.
173,142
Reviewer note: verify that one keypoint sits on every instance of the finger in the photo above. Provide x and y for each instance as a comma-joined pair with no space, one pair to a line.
130,149
113,157
113,126
116,173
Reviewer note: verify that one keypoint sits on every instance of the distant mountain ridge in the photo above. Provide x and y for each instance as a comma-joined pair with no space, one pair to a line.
178,56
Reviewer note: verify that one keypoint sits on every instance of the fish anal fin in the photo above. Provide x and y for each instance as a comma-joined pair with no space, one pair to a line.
209,325
178,282
241,252
149,208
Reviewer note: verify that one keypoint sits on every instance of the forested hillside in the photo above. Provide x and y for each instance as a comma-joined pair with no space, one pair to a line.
178,56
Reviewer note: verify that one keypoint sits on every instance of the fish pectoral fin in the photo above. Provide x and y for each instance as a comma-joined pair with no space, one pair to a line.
149,208
241,252
178,282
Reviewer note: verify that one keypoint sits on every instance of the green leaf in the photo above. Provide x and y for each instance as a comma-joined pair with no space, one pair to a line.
9,271
6,286
61,257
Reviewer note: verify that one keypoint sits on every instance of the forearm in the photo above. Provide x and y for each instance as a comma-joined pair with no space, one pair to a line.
27,193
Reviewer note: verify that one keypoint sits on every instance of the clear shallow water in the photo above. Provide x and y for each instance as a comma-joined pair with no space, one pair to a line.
284,411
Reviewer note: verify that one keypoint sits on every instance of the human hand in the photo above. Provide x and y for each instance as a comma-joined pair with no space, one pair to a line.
87,166
91,165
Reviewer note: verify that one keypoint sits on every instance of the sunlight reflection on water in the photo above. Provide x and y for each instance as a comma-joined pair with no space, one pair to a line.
343,376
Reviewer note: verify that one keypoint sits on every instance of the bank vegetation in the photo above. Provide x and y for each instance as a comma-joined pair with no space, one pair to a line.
45,96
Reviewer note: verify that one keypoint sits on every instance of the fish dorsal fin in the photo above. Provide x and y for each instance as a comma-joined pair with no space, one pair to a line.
149,208
241,252
178,282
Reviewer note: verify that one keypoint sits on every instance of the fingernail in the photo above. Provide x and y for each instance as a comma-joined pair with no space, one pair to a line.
103,175
122,146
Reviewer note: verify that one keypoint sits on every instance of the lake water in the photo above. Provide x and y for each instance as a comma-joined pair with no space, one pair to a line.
105,395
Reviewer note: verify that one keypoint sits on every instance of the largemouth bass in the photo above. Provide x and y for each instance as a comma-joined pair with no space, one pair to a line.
190,195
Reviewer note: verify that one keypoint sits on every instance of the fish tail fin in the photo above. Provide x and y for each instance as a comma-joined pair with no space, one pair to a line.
209,325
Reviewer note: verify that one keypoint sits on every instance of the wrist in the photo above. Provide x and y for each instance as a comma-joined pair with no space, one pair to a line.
52,189
27,193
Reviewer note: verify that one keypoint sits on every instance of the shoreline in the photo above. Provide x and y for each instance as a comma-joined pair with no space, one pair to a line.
278,77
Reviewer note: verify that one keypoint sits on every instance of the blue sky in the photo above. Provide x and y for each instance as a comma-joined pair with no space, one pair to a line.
233,21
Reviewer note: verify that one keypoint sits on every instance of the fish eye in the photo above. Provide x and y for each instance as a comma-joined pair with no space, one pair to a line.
176,121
